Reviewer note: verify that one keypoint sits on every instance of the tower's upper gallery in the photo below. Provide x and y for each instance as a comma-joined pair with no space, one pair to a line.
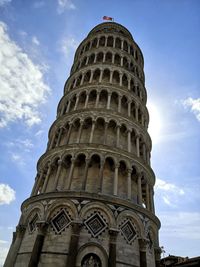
111,34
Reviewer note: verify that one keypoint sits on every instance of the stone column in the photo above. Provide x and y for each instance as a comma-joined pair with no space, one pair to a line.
115,185
108,102
157,253
118,134
104,57
68,106
95,58
129,171
86,100
139,189
91,76
79,132
120,79
58,173
106,40
129,108
136,112
37,247
105,132
76,104
101,175
143,256
138,146
129,83
15,246
147,197
112,247
85,174
69,180
129,140
92,132
100,77
144,151
97,100
121,61
111,76
119,103
151,199
73,245
59,136
52,141
82,79
87,59
38,182
46,179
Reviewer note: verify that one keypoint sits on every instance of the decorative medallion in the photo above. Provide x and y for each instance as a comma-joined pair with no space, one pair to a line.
95,224
128,231
60,221
32,223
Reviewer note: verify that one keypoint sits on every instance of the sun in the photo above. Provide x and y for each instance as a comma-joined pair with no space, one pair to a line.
155,123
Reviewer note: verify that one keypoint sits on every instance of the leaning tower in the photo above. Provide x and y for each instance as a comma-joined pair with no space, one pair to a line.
92,202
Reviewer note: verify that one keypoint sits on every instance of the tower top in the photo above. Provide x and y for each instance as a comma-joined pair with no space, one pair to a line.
111,27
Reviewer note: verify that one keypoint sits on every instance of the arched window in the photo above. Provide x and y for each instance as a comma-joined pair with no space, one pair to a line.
110,41
126,46
108,57
102,41
118,43
94,43
91,260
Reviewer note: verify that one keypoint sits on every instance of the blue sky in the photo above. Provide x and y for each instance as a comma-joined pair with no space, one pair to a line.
37,43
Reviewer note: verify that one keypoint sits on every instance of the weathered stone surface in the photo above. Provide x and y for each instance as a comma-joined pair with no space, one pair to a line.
92,202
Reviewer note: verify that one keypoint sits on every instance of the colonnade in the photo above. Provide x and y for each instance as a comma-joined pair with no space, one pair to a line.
106,75
95,174
113,42
109,57
106,100
100,131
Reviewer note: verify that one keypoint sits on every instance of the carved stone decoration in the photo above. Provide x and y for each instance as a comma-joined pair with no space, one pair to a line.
32,224
95,224
93,196
60,221
91,260
128,231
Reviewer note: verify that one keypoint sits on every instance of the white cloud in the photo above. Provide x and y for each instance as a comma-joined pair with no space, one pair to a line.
65,4
168,192
68,46
22,86
4,2
194,105
7,194
35,40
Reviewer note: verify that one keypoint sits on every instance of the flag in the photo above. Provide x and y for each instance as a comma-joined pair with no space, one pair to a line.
107,18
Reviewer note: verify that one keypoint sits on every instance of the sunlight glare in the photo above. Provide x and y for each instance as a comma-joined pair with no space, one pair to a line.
155,123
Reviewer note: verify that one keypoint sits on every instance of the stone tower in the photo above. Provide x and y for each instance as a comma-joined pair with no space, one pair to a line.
92,201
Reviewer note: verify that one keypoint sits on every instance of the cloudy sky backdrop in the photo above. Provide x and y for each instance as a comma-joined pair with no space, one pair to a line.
37,43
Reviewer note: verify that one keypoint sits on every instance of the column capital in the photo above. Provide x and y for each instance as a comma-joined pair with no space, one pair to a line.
20,229
60,162
113,231
41,227
143,243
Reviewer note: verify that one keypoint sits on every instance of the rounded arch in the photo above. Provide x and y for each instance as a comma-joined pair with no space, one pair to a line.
98,206
59,204
92,248
137,221
37,208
